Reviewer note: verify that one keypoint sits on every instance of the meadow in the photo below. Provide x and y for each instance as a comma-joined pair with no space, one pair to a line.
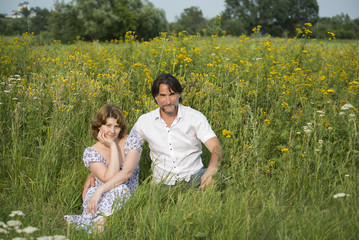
285,111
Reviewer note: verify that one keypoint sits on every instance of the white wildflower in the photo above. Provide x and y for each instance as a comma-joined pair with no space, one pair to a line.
16,213
19,238
346,106
4,231
2,83
56,237
346,175
14,98
76,94
3,225
13,223
307,130
321,113
30,230
330,128
338,195
298,133
341,113
6,91
45,238
0,103
352,115
59,237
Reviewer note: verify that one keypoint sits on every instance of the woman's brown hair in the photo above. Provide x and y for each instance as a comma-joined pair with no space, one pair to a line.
107,111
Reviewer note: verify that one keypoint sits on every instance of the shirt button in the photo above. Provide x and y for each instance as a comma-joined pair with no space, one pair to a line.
171,149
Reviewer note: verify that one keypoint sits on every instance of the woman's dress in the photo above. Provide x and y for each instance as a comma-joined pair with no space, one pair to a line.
111,200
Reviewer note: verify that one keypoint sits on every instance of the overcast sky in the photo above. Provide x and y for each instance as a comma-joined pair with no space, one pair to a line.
173,8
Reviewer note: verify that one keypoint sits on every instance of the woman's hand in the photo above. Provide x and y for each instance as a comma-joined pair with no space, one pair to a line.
102,139
92,204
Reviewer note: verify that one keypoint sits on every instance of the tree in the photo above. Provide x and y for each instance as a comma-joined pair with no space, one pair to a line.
40,22
191,20
151,22
275,16
64,24
26,13
106,19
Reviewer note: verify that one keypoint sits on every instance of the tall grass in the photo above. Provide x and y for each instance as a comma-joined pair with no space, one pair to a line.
279,107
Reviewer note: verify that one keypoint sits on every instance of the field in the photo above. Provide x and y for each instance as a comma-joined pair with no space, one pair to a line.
285,111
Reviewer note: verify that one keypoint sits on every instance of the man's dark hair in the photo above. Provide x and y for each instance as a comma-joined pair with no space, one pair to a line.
168,79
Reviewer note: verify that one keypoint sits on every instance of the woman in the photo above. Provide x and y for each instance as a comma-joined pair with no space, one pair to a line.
114,155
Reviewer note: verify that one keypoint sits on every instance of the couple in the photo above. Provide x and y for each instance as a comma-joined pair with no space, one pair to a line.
174,133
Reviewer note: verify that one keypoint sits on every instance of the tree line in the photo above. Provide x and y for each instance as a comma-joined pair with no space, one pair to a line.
111,19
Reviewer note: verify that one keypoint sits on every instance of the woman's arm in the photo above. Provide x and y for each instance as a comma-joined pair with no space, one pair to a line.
132,159
100,170
103,172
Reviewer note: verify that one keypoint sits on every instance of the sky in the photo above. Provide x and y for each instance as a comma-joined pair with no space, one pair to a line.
174,8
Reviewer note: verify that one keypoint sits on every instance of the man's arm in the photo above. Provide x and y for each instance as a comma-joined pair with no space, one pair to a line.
90,181
215,148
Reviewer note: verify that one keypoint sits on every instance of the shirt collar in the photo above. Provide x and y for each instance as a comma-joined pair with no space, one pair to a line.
157,115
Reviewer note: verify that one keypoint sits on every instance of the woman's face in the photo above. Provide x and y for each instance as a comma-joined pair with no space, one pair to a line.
111,129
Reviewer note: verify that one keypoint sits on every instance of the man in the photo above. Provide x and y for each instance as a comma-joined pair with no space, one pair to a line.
174,133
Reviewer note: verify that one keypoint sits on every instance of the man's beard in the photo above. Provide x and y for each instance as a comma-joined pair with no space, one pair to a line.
169,112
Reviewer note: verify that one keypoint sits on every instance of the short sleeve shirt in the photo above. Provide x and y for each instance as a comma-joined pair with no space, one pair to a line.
175,151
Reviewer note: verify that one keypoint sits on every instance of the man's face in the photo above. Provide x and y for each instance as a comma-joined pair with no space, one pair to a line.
167,100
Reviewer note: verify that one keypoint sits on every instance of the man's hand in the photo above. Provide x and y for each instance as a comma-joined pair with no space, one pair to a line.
215,148
90,181
206,178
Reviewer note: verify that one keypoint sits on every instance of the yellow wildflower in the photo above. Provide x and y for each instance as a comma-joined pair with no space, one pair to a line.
284,150
226,133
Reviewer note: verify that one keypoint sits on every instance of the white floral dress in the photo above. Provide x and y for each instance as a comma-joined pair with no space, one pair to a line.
111,200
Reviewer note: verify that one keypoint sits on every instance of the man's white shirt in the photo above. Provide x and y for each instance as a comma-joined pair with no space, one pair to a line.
175,151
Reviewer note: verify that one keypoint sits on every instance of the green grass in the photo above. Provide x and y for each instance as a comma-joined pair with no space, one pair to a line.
275,105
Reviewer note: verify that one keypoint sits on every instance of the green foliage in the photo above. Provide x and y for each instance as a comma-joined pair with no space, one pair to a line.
39,23
151,22
276,17
191,20
341,25
64,24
